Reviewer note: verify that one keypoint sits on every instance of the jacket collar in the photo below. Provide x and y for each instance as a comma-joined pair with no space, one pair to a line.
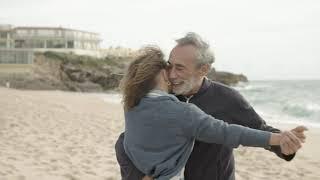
157,93
205,85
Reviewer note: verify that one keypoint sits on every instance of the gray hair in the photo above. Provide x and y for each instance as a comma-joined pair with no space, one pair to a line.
205,55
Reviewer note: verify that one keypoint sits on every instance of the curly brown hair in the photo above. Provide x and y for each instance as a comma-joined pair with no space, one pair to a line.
140,76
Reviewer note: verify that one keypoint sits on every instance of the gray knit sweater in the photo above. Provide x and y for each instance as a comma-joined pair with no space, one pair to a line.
160,132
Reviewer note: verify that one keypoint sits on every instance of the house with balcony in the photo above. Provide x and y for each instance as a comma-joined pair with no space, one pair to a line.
47,38
16,42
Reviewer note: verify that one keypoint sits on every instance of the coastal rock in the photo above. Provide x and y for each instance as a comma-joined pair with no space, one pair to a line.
62,71
226,77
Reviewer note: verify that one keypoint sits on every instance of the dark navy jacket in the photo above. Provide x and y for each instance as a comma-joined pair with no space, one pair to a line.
210,161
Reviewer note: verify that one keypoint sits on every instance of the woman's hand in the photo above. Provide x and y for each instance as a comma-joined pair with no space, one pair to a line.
289,141
292,141
147,178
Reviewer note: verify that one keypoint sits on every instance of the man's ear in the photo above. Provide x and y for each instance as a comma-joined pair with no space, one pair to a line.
204,69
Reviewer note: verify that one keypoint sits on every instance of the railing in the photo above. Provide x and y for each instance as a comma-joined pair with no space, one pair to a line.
16,56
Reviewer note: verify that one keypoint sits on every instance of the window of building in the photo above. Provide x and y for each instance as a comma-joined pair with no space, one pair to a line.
55,44
77,45
35,44
35,32
3,44
69,34
21,32
19,44
45,32
3,35
70,44
11,44
87,45
57,32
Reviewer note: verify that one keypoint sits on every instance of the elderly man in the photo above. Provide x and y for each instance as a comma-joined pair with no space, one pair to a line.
190,61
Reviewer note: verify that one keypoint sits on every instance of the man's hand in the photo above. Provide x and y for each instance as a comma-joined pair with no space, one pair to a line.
291,141
147,178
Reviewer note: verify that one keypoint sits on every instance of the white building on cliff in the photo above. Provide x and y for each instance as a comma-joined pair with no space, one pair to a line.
19,42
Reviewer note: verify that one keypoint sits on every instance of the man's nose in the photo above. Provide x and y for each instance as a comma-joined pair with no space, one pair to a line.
172,73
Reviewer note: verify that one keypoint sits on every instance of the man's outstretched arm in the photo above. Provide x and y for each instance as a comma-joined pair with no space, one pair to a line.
245,115
128,170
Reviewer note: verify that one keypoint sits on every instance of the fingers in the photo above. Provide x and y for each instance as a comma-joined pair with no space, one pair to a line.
294,140
291,140
299,132
284,147
147,178
289,143
300,129
301,136
289,148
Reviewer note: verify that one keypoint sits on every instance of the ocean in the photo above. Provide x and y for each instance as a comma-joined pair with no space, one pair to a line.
296,102
293,102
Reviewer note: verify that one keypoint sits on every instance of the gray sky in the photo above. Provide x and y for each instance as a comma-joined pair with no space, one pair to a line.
269,39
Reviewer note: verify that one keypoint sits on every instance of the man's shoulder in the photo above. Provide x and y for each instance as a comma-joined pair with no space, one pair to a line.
219,85
225,94
222,89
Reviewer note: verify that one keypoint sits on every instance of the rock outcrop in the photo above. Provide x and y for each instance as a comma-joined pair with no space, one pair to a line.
61,71
226,77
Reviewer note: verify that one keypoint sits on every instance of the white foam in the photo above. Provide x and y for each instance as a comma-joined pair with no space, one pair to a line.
248,87
313,107
285,119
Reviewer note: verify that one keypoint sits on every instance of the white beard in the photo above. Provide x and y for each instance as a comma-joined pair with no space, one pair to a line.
186,87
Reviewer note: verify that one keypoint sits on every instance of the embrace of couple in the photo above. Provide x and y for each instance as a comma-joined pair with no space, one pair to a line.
181,126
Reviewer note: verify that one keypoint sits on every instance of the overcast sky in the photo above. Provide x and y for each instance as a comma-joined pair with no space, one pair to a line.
269,39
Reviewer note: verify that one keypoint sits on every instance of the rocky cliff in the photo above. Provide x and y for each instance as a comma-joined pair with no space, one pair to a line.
52,71
226,77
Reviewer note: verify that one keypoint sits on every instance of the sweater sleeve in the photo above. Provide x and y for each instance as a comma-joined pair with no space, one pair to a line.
245,115
204,127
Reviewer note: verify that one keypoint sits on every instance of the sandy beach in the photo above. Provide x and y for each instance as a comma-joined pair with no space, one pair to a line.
59,135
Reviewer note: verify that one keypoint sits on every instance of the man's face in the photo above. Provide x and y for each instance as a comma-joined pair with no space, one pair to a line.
183,72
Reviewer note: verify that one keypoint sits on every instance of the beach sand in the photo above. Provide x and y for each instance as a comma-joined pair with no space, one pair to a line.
257,163
58,135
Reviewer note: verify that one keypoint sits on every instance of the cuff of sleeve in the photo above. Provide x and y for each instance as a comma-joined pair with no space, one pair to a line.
277,150
258,138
